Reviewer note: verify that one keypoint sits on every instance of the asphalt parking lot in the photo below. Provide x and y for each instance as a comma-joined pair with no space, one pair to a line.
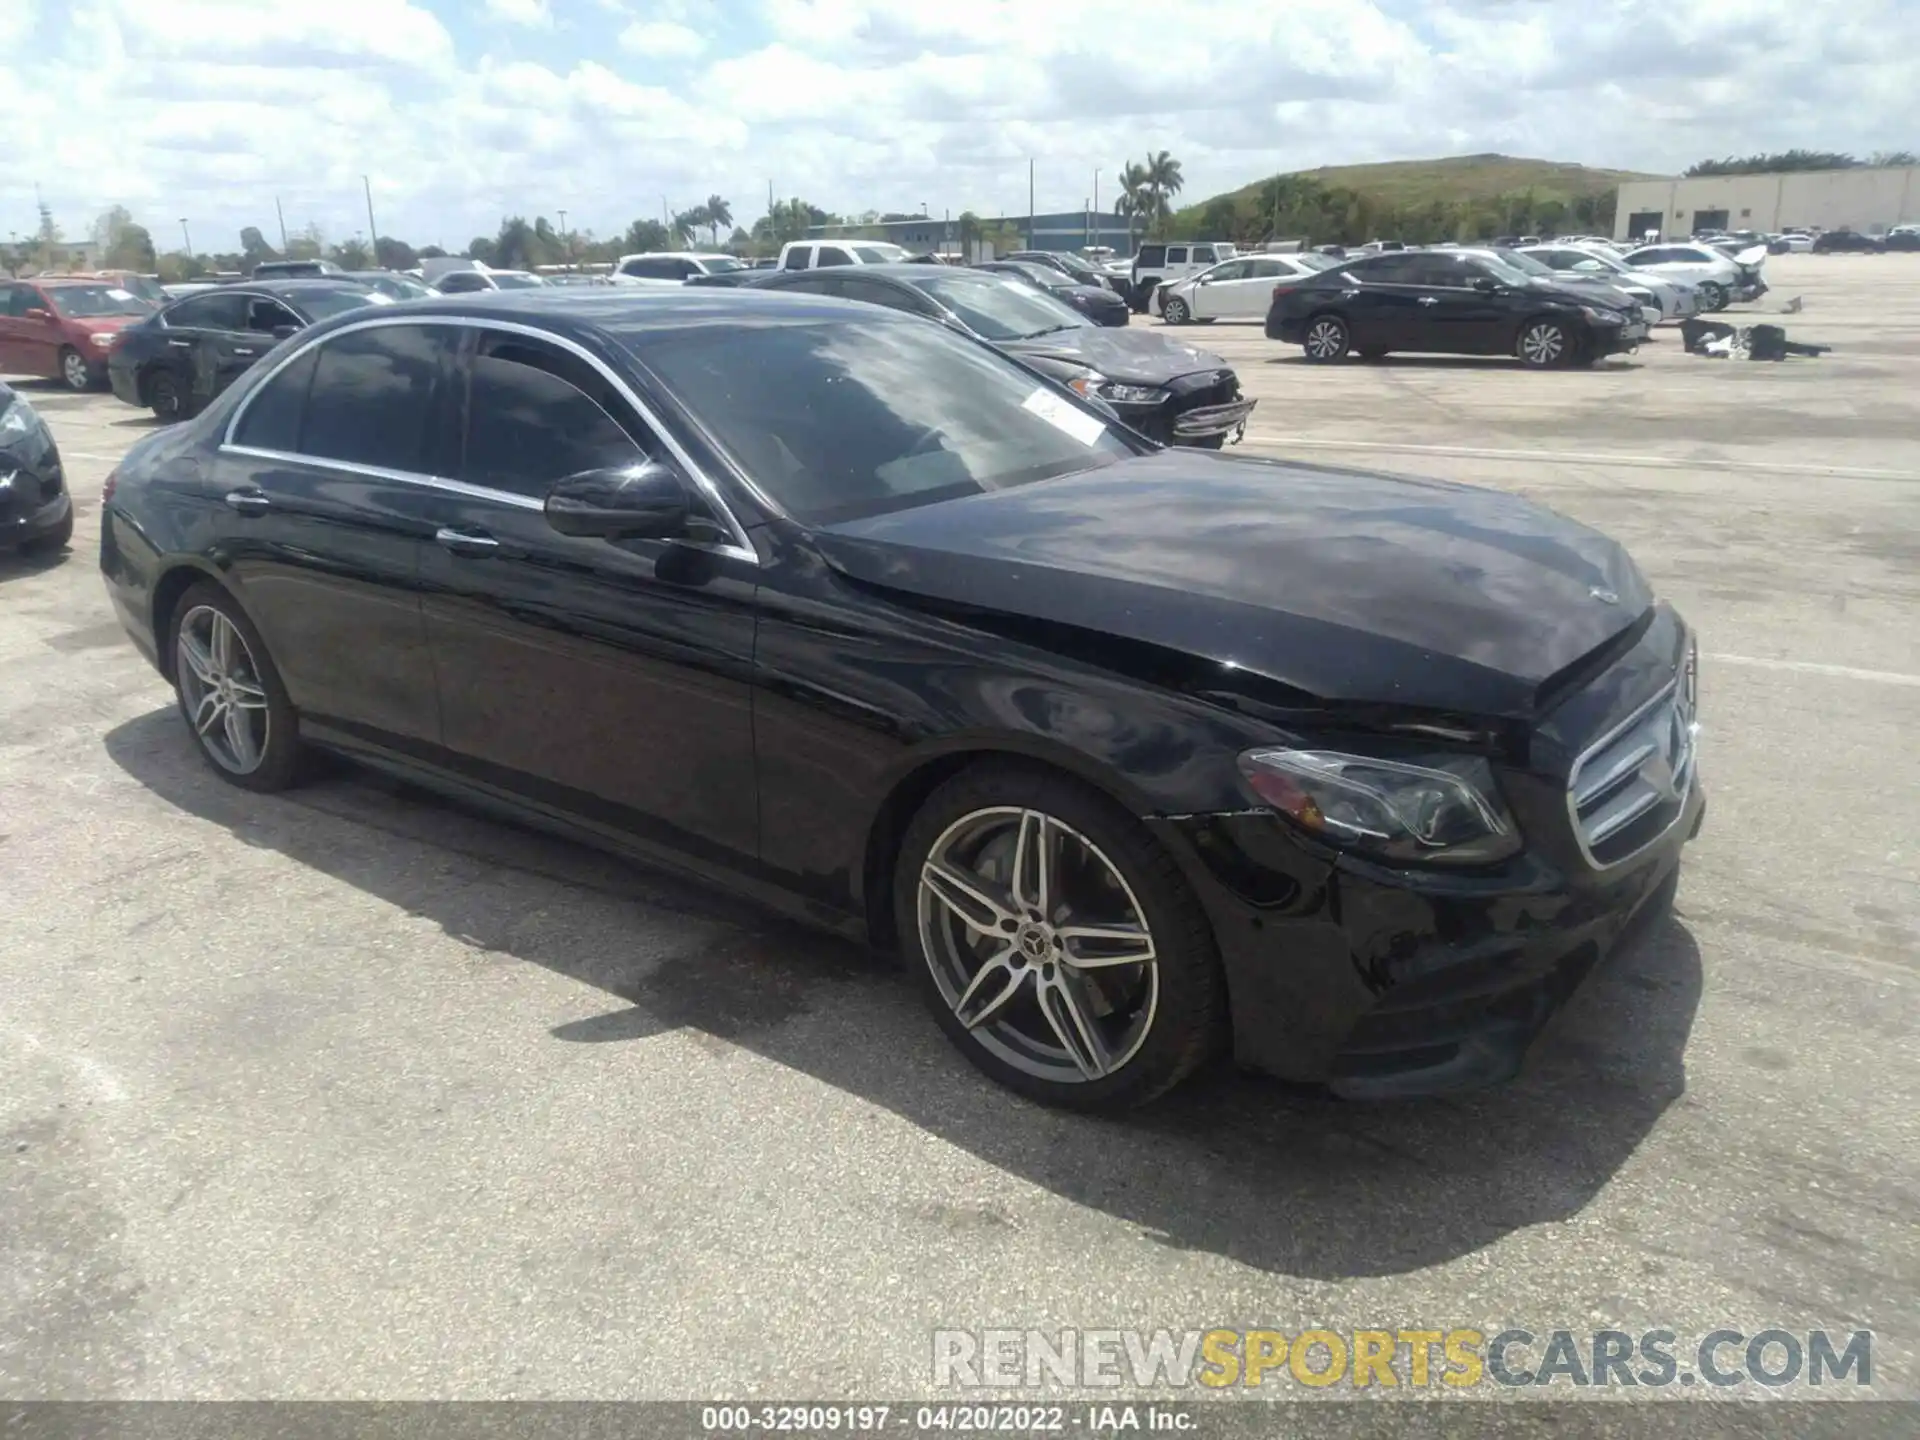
347,1093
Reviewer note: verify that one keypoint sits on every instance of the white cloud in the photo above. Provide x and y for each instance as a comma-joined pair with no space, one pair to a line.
211,108
533,13
662,40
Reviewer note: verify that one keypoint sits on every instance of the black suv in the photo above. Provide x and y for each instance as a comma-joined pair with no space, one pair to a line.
1441,302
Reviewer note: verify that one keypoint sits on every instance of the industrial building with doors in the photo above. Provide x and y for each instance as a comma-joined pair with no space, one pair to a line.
1869,199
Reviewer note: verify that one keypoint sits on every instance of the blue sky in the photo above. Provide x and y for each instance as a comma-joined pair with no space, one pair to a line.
462,111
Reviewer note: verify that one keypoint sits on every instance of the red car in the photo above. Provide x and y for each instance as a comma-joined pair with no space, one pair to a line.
63,328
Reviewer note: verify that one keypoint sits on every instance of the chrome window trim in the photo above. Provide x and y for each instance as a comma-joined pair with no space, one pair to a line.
741,547
376,472
1668,694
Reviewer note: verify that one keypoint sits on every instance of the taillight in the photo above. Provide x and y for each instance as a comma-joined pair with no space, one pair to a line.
106,490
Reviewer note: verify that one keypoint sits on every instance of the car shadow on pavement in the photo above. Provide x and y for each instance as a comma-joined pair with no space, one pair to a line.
1279,1177
19,564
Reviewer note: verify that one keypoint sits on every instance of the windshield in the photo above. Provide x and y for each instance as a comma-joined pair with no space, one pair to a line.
506,281
396,287
89,301
723,264
1079,267
853,417
322,303
879,254
1000,308
1313,260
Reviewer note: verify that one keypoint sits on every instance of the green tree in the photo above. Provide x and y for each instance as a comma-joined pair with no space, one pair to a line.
254,248
643,237
1768,164
352,255
392,254
1895,158
123,245
1164,181
309,244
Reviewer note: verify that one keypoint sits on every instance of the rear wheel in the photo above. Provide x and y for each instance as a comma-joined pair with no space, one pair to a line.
230,693
1327,339
1056,942
1544,344
75,370
1174,311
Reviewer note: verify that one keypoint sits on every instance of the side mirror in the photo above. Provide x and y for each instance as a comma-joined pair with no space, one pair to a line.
285,332
1487,285
647,501
37,313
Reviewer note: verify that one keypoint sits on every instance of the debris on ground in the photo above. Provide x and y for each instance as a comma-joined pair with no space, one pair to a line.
1718,341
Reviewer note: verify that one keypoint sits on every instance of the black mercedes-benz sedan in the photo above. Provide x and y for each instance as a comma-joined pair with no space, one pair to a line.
36,512
1099,304
1168,391
179,358
1134,753
1451,303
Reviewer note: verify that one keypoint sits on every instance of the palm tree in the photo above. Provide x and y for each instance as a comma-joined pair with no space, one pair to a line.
687,223
718,213
1133,195
969,232
1163,182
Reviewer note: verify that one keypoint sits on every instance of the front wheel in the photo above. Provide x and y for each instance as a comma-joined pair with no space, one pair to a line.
230,693
1544,344
165,397
1057,944
1174,311
74,370
1327,339
1713,296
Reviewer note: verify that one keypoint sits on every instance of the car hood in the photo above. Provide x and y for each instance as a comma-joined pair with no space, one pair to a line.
1594,289
1349,586
1144,355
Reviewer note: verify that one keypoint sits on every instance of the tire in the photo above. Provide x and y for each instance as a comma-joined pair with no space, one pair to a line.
58,538
1327,339
165,397
1713,295
1545,344
1114,1036
74,369
255,698
1174,311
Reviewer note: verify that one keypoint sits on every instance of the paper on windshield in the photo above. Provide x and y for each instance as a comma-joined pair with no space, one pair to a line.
1064,417
120,295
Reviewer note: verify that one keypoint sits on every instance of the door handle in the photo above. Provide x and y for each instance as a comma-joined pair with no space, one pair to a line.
181,344
472,543
1429,300
1348,294
248,502
238,351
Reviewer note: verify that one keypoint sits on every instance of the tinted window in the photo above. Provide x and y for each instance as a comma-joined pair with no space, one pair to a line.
1151,255
833,255
373,394
266,315
1176,255
20,300
856,416
1393,269
797,257
653,269
461,282
321,303
210,312
1438,271
531,419
852,287
272,417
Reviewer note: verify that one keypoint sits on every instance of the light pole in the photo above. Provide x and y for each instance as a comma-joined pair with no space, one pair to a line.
187,236
373,230
565,245
1096,208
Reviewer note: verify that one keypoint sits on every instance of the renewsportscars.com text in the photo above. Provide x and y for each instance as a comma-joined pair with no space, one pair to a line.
1417,1358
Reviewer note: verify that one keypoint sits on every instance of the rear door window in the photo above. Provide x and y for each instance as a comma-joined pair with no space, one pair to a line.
1395,268
1151,256
833,255
208,312
271,420
1176,255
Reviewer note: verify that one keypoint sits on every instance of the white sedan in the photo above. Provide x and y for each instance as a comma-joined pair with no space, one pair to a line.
1236,289
1719,277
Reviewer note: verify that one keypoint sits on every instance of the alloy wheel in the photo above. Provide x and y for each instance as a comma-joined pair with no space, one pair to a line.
221,691
1327,339
1174,311
1038,944
73,369
1543,343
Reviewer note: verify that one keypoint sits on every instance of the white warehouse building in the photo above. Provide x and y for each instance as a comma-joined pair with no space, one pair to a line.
1868,199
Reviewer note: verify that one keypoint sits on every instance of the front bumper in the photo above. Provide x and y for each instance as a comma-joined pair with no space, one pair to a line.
30,506
1384,982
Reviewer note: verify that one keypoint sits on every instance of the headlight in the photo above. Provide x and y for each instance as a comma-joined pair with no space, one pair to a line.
20,418
104,338
1096,386
1447,810
1602,317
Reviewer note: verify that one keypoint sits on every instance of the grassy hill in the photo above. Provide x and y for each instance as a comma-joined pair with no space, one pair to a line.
1462,197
